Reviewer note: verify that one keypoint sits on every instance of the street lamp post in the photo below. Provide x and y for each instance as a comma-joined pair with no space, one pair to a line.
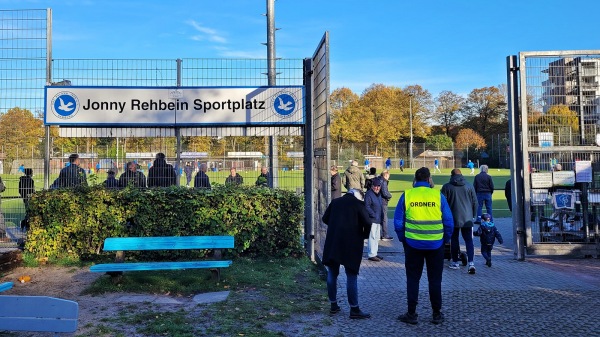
410,149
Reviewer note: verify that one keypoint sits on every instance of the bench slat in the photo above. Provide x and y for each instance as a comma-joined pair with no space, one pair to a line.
110,267
168,242
38,313
5,286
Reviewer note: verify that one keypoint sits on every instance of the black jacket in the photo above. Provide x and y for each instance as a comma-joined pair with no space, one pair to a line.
136,179
161,174
26,187
71,176
483,183
462,200
348,225
202,180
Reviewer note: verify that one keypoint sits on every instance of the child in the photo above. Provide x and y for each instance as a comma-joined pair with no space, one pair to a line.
488,233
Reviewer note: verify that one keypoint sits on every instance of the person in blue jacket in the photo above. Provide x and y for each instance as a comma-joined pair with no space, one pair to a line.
423,222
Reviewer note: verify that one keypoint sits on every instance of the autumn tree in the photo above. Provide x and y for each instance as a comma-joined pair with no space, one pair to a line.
485,110
345,115
470,140
19,129
448,110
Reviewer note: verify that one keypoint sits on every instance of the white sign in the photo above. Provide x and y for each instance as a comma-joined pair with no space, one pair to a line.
174,106
546,139
541,180
563,178
583,171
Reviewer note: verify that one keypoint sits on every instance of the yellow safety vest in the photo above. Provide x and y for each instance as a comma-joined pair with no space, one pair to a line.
423,214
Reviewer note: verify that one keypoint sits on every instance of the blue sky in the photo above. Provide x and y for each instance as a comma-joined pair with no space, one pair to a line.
441,45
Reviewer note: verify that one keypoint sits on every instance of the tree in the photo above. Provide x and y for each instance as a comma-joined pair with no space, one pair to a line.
484,109
19,129
470,140
448,109
439,142
345,115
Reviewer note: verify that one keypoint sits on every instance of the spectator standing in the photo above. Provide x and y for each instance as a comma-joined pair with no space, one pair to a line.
374,204
26,186
508,194
462,199
263,178
188,170
488,233
372,174
161,174
386,196
132,177
484,187
348,225
353,177
234,178
336,183
111,181
72,175
418,208
202,180
388,164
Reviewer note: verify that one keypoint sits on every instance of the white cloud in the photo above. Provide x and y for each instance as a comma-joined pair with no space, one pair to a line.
208,34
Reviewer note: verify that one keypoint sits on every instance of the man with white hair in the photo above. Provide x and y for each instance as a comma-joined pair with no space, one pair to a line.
484,187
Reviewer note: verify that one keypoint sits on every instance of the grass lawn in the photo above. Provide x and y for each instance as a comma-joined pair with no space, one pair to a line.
401,181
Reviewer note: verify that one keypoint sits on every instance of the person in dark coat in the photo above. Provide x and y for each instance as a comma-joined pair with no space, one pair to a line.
111,181
484,187
234,178
72,175
188,170
263,179
374,204
26,186
348,225
463,203
386,196
161,174
202,180
132,177
508,194
336,183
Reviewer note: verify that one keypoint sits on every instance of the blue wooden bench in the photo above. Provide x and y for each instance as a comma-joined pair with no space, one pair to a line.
5,286
120,245
38,313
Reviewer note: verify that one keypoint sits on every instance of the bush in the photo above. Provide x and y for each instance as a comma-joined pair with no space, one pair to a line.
73,223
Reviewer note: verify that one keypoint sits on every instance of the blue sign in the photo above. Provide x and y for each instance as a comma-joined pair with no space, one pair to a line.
284,104
65,105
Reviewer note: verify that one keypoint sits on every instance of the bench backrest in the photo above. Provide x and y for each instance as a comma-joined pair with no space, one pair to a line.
5,286
168,242
37,313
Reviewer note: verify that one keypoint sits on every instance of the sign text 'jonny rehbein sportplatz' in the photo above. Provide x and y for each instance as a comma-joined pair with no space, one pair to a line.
169,106
198,104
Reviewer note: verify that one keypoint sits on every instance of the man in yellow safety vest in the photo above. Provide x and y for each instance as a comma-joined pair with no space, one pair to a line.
423,222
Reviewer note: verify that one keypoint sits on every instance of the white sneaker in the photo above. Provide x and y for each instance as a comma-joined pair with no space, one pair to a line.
471,269
454,265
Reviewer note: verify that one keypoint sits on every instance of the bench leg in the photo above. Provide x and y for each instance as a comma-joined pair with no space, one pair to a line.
115,276
216,274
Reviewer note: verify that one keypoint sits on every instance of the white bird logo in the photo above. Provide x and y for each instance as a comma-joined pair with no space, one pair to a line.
65,107
284,106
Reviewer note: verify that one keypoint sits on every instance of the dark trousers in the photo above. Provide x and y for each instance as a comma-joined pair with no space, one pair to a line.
467,234
414,259
384,223
486,251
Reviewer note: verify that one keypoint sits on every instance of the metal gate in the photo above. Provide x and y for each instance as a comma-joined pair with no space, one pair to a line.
554,102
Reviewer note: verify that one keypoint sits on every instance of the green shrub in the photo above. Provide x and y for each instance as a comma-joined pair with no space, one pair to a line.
73,223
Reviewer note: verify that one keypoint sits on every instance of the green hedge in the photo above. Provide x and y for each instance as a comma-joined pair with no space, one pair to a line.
73,223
